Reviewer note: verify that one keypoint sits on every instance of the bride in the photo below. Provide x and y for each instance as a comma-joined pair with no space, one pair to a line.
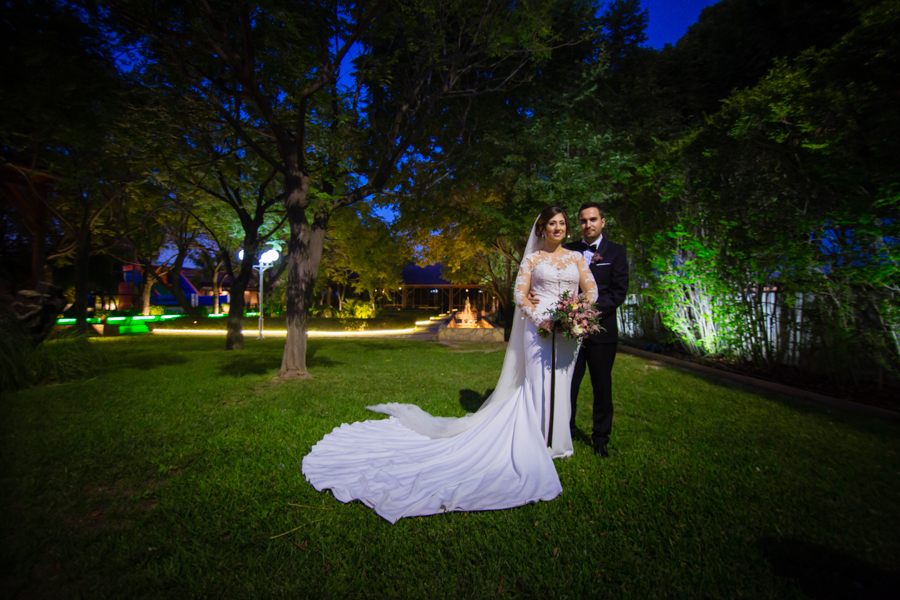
497,457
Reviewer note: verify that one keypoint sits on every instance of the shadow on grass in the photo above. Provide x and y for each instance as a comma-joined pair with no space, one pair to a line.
241,364
321,361
147,360
823,573
471,401
581,436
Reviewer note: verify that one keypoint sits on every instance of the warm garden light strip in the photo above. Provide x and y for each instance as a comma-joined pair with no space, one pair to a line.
353,333
200,332
382,332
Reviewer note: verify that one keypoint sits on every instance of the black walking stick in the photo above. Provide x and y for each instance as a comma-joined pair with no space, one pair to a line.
552,383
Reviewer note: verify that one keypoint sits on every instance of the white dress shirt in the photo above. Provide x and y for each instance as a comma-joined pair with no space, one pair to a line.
589,253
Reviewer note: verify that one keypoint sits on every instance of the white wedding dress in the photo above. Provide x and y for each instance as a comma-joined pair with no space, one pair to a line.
497,457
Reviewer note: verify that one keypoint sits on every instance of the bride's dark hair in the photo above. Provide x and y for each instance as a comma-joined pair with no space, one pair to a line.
545,216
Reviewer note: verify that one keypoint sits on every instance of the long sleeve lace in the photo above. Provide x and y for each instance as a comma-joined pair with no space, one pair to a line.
586,280
523,286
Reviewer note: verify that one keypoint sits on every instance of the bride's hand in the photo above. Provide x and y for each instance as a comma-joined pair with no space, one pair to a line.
548,325
532,297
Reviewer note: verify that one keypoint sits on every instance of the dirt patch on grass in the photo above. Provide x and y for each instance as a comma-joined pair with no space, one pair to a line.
112,507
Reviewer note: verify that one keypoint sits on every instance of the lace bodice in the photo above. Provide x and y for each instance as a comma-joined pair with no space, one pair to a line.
549,275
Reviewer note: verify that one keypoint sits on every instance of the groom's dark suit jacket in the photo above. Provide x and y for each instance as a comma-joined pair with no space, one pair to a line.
611,274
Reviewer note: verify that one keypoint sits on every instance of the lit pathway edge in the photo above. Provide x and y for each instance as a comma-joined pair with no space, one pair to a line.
798,393
275,333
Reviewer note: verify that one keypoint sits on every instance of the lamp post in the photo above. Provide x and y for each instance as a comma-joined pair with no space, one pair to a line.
266,260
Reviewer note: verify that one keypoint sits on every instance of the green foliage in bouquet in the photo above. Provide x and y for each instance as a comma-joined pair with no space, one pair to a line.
575,316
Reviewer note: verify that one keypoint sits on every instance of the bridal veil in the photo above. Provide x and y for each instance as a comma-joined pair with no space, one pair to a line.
512,375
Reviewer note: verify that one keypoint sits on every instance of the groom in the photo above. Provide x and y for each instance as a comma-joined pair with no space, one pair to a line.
598,352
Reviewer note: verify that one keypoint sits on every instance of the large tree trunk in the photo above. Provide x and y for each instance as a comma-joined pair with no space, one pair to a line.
217,288
82,278
146,293
177,292
172,288
234,340
304,256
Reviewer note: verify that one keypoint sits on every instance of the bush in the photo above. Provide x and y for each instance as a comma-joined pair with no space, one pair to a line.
66,358
157,311
15,348
60,359
224,308
357,309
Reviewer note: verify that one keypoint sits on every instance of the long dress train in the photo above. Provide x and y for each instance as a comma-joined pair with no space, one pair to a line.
414,464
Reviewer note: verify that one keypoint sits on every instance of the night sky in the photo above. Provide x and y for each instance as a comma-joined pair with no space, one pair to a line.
670,19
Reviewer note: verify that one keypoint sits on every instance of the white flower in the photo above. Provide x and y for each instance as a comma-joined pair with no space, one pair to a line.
577,330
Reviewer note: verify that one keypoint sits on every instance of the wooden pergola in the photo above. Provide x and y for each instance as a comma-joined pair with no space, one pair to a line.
444,296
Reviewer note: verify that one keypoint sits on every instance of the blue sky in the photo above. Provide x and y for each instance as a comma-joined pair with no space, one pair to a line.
670,19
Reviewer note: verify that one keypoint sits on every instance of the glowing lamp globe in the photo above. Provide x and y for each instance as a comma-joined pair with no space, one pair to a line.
269,256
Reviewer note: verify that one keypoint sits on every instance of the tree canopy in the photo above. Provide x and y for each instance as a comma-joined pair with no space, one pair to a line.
750,168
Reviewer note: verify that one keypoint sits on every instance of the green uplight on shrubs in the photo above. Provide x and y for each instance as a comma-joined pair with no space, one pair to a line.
69,321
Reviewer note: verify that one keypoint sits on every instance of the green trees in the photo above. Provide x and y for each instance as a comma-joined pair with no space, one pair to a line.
361,245
750,166
67,153
540,143
271,73
750,172
769,228
227,190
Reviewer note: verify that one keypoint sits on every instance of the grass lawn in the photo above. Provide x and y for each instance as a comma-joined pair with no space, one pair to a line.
176,474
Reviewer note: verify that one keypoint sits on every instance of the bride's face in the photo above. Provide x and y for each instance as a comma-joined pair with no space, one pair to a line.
555,229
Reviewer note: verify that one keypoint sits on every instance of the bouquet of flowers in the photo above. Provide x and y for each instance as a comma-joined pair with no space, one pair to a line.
576,315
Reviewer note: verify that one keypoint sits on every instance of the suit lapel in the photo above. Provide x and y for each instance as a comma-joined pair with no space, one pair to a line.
604,244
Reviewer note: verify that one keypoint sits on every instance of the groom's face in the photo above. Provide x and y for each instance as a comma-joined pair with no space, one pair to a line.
591,224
